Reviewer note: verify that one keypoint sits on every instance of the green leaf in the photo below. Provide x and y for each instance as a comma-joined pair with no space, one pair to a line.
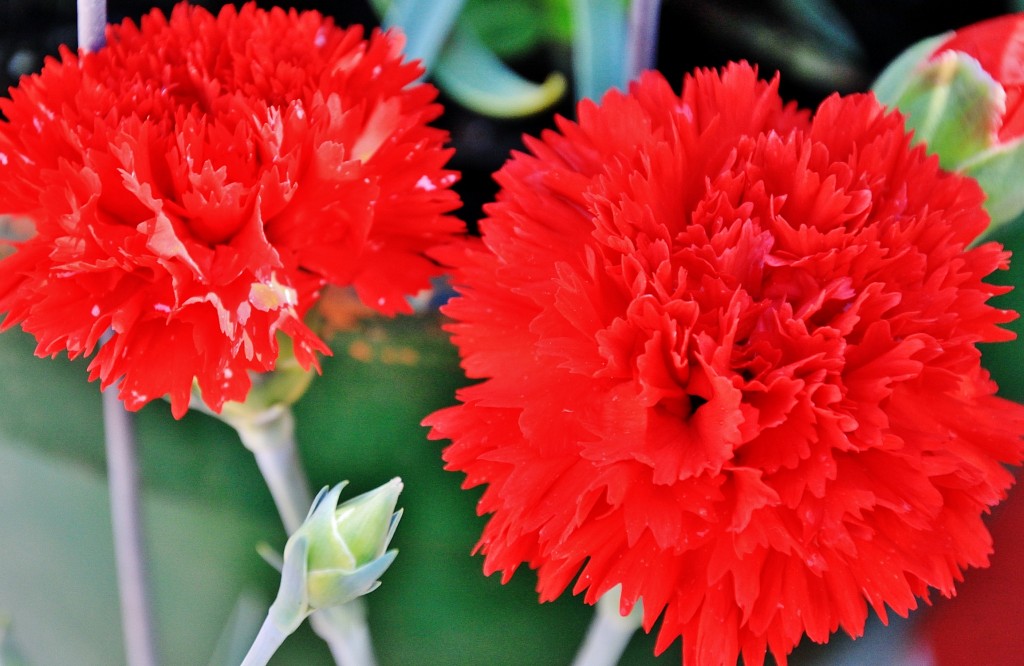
426,24
478,80
598,47
825,21
510,28
557,20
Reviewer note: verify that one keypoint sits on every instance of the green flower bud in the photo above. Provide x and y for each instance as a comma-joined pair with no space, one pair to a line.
338,554
956,95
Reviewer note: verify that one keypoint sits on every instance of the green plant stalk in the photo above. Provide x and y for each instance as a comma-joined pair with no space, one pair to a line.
92,23
425,23
642,36
609,632
126,520
267,641
270,435
598,47
122,460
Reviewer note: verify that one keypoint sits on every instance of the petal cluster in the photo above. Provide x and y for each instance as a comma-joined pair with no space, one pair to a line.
729,361
196,182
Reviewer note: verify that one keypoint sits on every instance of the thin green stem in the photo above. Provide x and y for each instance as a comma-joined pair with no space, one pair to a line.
271,437
92,23
122,461
598,46
267,641
347,633
609,632
126,520
642,36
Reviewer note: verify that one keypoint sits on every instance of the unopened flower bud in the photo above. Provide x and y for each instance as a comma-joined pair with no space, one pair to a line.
338,553
961,93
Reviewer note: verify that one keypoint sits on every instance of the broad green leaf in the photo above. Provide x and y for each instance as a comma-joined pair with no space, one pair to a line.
478,80
823,19
557,20
509,28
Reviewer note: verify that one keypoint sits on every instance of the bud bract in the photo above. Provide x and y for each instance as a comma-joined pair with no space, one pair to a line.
338,553
961,94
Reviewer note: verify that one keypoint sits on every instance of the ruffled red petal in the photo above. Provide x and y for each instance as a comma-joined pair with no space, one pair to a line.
196,182
729,362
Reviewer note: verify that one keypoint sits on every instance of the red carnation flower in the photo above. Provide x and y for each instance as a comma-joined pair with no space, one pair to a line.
730,363
196,182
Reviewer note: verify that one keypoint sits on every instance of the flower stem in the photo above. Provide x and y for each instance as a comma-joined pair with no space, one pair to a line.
267,641
346,632
92,23
126,519
271,437
642,36
609,632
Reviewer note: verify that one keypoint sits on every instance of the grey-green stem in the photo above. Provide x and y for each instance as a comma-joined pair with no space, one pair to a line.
92,24
267,641
609,632
642,36
126,520
270,435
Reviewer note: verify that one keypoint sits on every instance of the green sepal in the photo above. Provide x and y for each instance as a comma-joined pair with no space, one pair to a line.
327,550
1000,172
891,83
327,585
291,606
954,106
